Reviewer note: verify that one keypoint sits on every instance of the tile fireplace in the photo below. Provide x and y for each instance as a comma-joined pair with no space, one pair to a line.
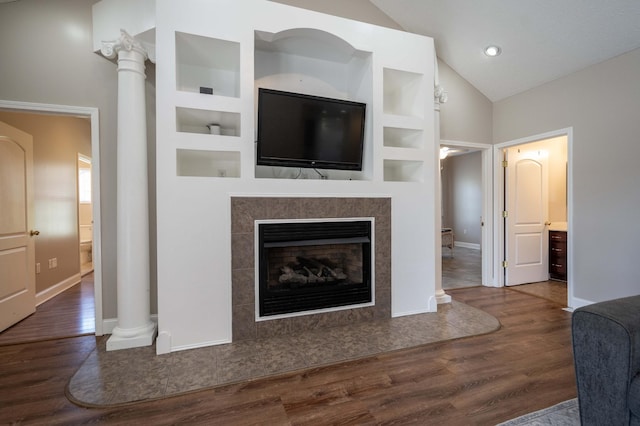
362,270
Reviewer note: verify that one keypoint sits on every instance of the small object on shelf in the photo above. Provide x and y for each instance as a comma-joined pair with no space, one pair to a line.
214,129
206,90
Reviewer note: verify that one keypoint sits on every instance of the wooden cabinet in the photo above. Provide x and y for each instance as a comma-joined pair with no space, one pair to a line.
558,255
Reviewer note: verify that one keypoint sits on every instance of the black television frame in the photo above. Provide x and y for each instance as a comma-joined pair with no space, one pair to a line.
315,163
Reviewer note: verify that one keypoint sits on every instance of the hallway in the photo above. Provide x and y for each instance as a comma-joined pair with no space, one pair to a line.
462,269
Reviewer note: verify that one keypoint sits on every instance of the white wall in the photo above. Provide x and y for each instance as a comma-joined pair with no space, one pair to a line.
601,104
194,223
359,10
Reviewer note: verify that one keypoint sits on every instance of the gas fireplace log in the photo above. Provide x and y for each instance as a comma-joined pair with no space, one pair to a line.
337,273
291,276
313,278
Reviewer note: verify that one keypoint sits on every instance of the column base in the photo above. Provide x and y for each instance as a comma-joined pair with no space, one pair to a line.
127,339
442,297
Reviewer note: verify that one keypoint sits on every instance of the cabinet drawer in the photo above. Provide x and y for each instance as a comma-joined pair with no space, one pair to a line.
557,249
557,267
559,236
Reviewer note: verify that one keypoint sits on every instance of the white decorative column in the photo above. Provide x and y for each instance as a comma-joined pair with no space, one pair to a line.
134,328
439,97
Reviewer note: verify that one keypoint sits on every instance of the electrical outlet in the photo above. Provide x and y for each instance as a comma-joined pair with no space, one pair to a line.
38,268
50,263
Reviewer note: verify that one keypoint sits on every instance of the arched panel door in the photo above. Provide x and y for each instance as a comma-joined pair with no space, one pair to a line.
527,178
17,261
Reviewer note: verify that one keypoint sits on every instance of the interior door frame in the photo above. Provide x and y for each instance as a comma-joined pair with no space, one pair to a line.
93,115
499,202
486,244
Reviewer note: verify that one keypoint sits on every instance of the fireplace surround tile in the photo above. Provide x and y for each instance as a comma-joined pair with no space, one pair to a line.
245,210
243,289
242,245
244,326
318,208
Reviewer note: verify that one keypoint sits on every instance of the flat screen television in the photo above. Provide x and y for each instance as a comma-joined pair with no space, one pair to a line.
296,130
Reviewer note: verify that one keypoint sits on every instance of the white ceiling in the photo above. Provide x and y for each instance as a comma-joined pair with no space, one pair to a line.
541,40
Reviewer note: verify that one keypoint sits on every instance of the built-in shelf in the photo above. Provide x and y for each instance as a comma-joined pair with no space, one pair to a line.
403,171
403,138
207,62
192,120
221,164
315,62
402,93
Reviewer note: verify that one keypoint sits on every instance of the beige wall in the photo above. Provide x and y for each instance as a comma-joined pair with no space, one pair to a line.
47,57
468,115
601,104
56,144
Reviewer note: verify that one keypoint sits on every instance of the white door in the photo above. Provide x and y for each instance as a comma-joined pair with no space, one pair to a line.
17,259
527,187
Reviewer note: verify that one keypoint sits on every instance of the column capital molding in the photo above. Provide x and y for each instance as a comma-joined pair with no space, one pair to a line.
440,95
129,43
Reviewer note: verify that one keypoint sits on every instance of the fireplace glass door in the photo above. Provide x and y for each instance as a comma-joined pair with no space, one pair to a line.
306,266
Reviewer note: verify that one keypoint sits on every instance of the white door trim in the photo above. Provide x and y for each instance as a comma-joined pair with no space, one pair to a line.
498,207
93,114
488,278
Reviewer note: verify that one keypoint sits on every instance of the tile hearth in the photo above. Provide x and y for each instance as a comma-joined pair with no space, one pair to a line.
117,377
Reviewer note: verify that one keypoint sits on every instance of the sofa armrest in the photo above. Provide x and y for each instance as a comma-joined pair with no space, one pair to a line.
634,396
606,350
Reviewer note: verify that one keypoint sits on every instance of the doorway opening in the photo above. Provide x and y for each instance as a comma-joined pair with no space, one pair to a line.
93,116
466,203
532,180
85,215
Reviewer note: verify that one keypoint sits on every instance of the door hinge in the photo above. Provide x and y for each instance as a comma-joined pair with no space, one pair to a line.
505,263
505,213
505,163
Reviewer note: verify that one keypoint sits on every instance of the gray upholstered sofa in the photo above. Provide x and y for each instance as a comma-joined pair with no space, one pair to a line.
606,350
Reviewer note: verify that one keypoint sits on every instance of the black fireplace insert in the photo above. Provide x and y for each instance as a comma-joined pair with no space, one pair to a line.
306,266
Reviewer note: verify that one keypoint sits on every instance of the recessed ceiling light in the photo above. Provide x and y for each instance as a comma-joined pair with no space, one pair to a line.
492,50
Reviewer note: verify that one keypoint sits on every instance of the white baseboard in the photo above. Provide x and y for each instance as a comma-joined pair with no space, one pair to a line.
200,345
110,323
576,303
473,246
56,289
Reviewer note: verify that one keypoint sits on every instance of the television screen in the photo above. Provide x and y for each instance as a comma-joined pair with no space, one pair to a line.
296,130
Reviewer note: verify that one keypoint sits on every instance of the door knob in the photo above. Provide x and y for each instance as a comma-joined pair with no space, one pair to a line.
32,232
547,223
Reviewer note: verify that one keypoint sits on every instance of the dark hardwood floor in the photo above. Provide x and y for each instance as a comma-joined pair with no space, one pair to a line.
483,380
69,314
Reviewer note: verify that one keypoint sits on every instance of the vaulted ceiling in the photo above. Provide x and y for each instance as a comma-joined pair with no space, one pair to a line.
541,40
